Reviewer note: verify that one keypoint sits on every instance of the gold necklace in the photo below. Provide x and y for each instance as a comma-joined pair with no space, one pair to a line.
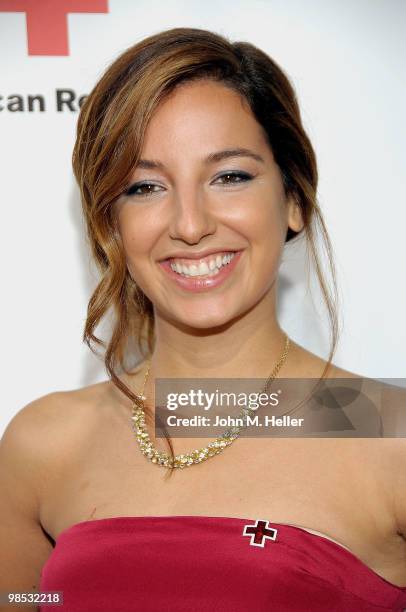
198,455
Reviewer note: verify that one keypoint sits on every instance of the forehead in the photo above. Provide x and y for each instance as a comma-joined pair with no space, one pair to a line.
203,114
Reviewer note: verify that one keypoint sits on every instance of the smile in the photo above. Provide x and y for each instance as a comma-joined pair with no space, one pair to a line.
210,266
202,274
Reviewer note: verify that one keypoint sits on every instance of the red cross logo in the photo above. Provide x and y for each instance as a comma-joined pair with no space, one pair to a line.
47,23
259,532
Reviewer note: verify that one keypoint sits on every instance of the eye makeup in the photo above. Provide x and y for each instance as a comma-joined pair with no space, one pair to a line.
241,176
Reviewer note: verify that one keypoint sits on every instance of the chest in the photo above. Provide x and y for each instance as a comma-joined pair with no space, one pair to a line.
338,487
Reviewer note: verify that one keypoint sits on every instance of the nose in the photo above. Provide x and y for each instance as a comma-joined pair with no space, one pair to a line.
191,217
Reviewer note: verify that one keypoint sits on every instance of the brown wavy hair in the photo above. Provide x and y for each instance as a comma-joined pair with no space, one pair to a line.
110,133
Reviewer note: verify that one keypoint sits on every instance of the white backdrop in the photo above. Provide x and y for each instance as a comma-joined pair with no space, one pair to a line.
346,59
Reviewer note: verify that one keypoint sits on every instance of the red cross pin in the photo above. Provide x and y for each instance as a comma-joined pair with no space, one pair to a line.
259,532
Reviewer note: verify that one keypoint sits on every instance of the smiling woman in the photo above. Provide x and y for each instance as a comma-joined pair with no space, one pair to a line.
195,172
217,139
226,209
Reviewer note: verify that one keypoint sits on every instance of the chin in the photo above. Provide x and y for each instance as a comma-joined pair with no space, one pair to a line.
202,318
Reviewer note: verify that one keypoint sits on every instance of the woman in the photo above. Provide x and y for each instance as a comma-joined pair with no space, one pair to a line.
195,170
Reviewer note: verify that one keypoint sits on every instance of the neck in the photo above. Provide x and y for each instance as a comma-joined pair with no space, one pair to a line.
248,347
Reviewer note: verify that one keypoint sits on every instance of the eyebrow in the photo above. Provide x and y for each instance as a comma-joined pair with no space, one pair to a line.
150,164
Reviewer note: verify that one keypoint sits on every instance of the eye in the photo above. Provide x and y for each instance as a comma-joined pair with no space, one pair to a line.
133,189
241,176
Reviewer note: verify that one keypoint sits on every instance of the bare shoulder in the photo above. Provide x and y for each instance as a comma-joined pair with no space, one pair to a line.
44,430
386,454
310,365
49,424
40,420
36,435
32,428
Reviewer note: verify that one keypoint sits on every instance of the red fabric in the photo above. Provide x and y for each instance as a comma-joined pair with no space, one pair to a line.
205,563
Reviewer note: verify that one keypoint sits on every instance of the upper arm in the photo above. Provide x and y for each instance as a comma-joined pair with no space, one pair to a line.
399,490
393,413
23,469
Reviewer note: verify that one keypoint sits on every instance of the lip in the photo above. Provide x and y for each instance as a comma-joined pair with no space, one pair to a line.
197,255
194,284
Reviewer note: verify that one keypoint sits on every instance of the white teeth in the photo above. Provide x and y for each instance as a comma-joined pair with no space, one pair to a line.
204,268
193,271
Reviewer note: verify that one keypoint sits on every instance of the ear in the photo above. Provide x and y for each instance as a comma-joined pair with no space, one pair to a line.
294,215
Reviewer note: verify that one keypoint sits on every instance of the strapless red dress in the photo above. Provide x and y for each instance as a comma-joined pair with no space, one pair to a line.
209,563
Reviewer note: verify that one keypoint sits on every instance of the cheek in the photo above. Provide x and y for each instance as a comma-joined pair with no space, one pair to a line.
138,237
263,221
265,228
138,231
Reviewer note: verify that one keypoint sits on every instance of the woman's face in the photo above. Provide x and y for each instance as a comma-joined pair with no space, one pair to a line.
203,225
